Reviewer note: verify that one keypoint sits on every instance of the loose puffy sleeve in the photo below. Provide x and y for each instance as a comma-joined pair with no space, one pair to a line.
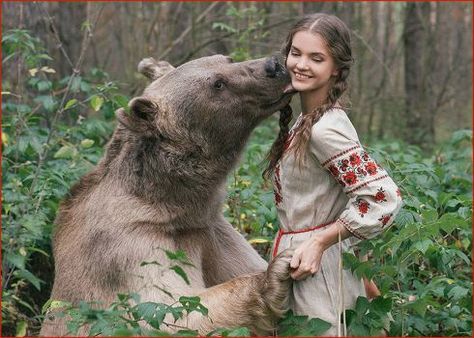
374,199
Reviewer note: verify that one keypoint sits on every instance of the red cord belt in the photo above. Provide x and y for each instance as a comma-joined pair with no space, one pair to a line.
281,233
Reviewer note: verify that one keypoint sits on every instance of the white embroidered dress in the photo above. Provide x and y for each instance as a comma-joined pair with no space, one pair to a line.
339,182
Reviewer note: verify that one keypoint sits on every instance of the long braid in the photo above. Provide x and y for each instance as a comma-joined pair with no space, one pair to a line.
303,131
278,146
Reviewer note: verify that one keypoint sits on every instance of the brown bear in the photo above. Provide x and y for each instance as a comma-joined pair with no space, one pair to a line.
160,186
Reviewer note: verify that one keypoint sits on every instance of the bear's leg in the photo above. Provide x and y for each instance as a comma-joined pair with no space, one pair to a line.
229,255
255,301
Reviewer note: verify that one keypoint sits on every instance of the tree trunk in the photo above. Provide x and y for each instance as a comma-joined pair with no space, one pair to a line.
418,119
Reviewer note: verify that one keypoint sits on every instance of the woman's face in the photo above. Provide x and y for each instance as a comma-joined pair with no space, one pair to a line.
309,63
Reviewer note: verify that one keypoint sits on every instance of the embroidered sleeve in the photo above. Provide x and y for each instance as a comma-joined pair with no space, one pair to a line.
374,199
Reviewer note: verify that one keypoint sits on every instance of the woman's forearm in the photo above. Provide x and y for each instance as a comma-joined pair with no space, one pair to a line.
330,235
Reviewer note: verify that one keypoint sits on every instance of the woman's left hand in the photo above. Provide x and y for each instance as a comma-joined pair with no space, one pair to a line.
307,258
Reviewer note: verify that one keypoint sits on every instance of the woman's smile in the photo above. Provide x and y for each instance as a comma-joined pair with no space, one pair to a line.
300,76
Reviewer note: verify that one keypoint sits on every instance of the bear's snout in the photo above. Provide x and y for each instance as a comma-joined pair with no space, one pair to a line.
273,67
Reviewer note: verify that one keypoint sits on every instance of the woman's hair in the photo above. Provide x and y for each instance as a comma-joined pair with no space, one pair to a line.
337,38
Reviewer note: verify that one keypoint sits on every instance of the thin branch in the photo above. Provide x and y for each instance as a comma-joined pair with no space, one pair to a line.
188,30
54,30
227,35
371,50
76,71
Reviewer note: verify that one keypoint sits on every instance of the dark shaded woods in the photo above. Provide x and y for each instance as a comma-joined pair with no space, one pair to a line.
411,80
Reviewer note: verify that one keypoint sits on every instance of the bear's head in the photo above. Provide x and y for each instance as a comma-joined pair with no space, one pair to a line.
211,102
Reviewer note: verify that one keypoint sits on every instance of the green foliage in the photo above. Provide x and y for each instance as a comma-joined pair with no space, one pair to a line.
246,27
41,160
423,264
368,318
250,204
293,325
126,316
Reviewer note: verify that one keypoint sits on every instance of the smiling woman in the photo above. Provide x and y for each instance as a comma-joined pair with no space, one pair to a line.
328,189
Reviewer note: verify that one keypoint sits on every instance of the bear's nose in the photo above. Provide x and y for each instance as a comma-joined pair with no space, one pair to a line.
272,67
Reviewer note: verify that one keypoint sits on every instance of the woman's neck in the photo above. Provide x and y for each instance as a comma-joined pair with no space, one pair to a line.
312,99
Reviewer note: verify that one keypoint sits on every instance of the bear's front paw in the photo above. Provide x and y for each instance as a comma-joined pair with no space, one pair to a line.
277,285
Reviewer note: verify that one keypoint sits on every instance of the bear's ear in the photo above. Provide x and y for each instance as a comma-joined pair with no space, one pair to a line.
153,69
141,117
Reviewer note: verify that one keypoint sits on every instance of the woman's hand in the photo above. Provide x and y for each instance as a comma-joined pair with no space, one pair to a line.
307,258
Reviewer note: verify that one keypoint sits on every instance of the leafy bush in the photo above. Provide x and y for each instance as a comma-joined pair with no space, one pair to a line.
48,143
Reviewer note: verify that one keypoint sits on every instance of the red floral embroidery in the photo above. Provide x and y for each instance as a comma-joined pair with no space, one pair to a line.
344,165
380,195
371,168
354,159
365,156
350,178
385,219
363,207
361,171
351,167
399,193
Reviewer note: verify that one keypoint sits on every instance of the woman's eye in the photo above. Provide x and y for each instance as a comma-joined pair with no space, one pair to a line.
219,84
294,54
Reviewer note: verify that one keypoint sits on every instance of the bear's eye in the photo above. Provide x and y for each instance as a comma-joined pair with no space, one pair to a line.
219,84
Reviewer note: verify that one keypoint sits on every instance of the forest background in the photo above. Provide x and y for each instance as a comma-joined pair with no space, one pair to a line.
66,67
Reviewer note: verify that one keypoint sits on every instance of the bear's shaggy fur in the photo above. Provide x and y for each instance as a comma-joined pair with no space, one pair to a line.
161,185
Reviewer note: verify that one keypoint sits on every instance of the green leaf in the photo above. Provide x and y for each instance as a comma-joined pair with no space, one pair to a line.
87,143
70,103
35,281
121,101
423,245
381,305
362,305
186,333
457,292
179,256
123,332
450,221
47,101
52,304
66,152
193,304
420,306
44,85
461,135
318,326
404,217
429,216
239,332
21,329
292,325
179,270
16,260
96,102
76,84
152,313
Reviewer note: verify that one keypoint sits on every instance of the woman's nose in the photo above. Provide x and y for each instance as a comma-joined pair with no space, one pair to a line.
302,64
